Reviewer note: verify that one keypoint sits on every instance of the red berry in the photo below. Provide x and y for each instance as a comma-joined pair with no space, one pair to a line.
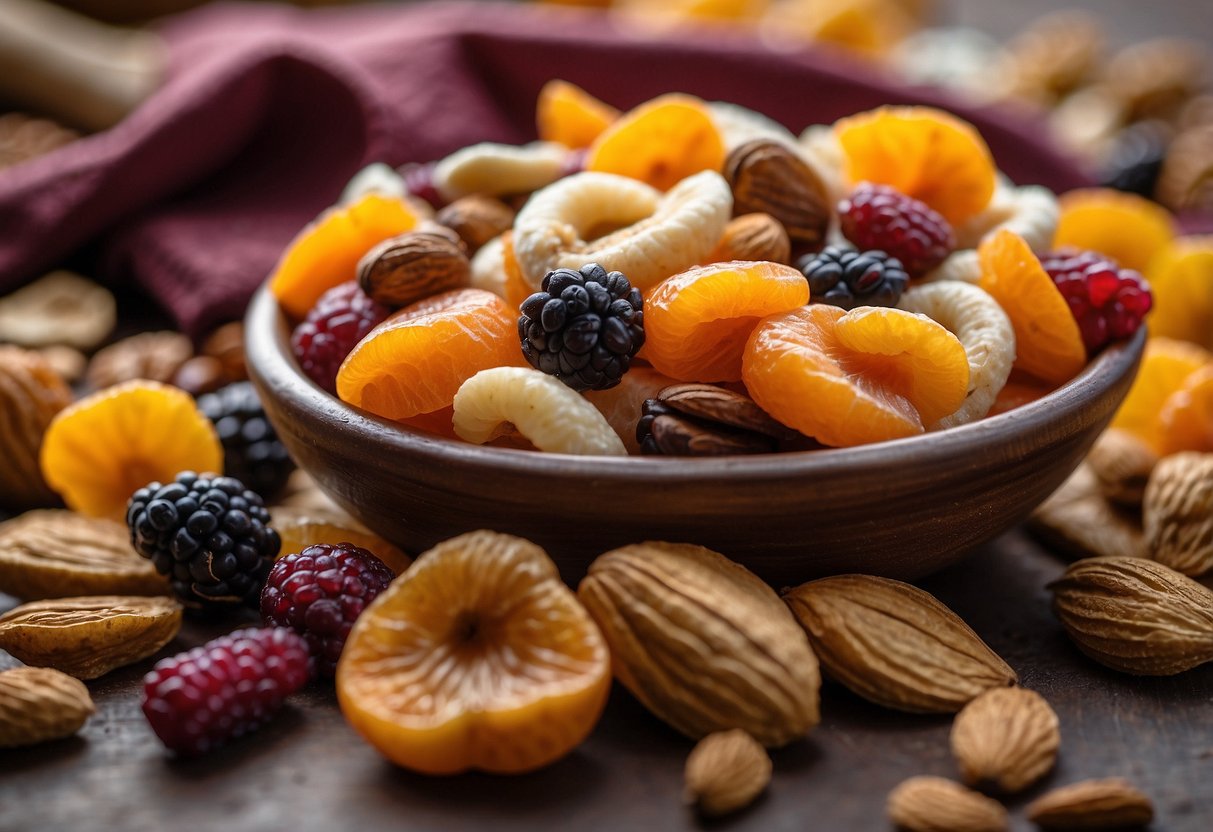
882,218
419,182
197,700
1108,302
320,592
340,319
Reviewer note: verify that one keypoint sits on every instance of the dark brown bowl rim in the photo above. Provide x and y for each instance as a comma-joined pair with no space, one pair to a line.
272,362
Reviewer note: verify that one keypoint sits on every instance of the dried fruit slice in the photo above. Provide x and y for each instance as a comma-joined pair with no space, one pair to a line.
307,529
479,657
1047,339
1165,366
415,361
925,153
568,115
1181,278
1128,228
661,142
848,378
103,448
1186,419
697,322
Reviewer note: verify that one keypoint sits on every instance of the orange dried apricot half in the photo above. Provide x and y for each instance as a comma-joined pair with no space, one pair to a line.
300,530
415,361
103,448
478,657
1048,342
925,153
1181,279
1128,228
1165,367
849,378
568,115
697,322
326,252
660,142
1186,418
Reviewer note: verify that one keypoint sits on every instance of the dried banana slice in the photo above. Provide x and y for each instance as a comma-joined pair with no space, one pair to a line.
659,234
963,265
61,308
376,178
499,169
552,416
738,125
1031,212
984,330
488,267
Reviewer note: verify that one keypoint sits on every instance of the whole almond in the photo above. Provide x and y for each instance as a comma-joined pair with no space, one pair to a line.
896,645
1078,521
1178,513
476,219
31,393
725,772
769,177
1135,615
753,237
417,264
1007,737
1092,804
702,642
1121,463
90,636
156,356
38,704
933,804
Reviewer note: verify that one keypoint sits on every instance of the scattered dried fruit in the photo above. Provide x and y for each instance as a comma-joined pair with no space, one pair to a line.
725,772
1178,513
1006,737
60,308
1128,228
1092,804
38,704
155,356
933,804
568,115
661,142
31,395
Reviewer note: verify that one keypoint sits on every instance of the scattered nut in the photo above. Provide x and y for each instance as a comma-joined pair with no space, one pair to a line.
155,356
1092,804
200,374
705,420
24,137
1079,522
227,344
753,237
1056,55
1178,513
38,704
1186,180
476,219
415,265
1122,464
68,362
31,393
769,177
1007,737
933,804
60,308
1155,78
725,772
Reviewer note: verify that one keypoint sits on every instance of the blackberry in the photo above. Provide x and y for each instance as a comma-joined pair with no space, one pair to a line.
584,327
1107,302
882,218
1136,159
252,452
340,319
209,534
847,278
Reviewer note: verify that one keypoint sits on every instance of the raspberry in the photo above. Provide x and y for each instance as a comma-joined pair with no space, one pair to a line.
252,452
320,592
847,279
199,699
340,319
1108,302
879,217
419,182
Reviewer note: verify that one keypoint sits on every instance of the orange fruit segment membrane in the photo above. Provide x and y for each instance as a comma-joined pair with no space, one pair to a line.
1165,368
1186,418
478,657
660,142
850,378
568,115
1181,278
1128,228
1047,339
326,252
414,362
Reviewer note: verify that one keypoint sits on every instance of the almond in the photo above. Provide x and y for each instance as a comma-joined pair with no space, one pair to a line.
1007,737
933,804
31,394
1078,521
768,177
156,356
1178,513
725,772
1092,804
417,264
39,704
753,237
476,219
1121,463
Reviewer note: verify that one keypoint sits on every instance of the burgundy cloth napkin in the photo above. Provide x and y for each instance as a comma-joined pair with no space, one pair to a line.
267,111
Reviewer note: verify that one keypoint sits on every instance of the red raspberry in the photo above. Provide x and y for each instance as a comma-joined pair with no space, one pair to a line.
882,218
1108,302
340,319
320,592
199,699
419,182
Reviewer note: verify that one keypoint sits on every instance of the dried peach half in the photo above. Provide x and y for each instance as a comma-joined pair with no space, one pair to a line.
1186,419
661,142
849,378
478,657
568,115
1165,368
1128,228
1048,342
925,153
1181,279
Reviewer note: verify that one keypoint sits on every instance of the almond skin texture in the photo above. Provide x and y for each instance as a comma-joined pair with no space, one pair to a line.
726,772
38,704
1092,804
753,237
933,804
1178,513
1122,464
703,643
895,645
1007,737
1078,521
1135,615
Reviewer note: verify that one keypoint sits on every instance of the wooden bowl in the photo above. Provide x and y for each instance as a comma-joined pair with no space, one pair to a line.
901,508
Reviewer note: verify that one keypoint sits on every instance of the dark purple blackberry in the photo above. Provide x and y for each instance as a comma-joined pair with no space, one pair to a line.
209,534
847,278
252,452
584,327
1137,158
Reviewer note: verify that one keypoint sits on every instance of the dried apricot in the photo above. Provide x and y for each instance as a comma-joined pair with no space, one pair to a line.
1047,339
869,27
660,142
1181,278
848,378
1018,391
925,153
102,449
697,322
478,657
1165,367
300,530
1186,418
1128,228
568,115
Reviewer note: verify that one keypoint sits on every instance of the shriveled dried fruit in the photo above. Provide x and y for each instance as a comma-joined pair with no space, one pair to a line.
31,395
933,804
1078,521
1113,803
1178,513
156,356
60,308
1006,737
726,772
1122,463
38,704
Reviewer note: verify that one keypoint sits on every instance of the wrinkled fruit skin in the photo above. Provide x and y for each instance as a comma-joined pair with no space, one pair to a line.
881,218
1108,302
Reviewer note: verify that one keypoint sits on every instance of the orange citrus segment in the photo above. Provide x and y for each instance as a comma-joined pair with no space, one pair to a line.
327,251
415,361
1128,228
303,529
1186,418
924,153
869,27
1047,339
568,115
1165,367
660,142
1181,278
697,322
478,657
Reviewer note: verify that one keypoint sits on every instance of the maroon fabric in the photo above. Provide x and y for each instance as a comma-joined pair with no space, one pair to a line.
267,111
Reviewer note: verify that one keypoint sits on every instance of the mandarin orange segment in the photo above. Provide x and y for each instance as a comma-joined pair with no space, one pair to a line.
568,115
1128,228
100,450
1165,367
1186,418
924,153
414,362
660,142
303,530
849,378
1047,339
327,251
1181,278
478,657
697,322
